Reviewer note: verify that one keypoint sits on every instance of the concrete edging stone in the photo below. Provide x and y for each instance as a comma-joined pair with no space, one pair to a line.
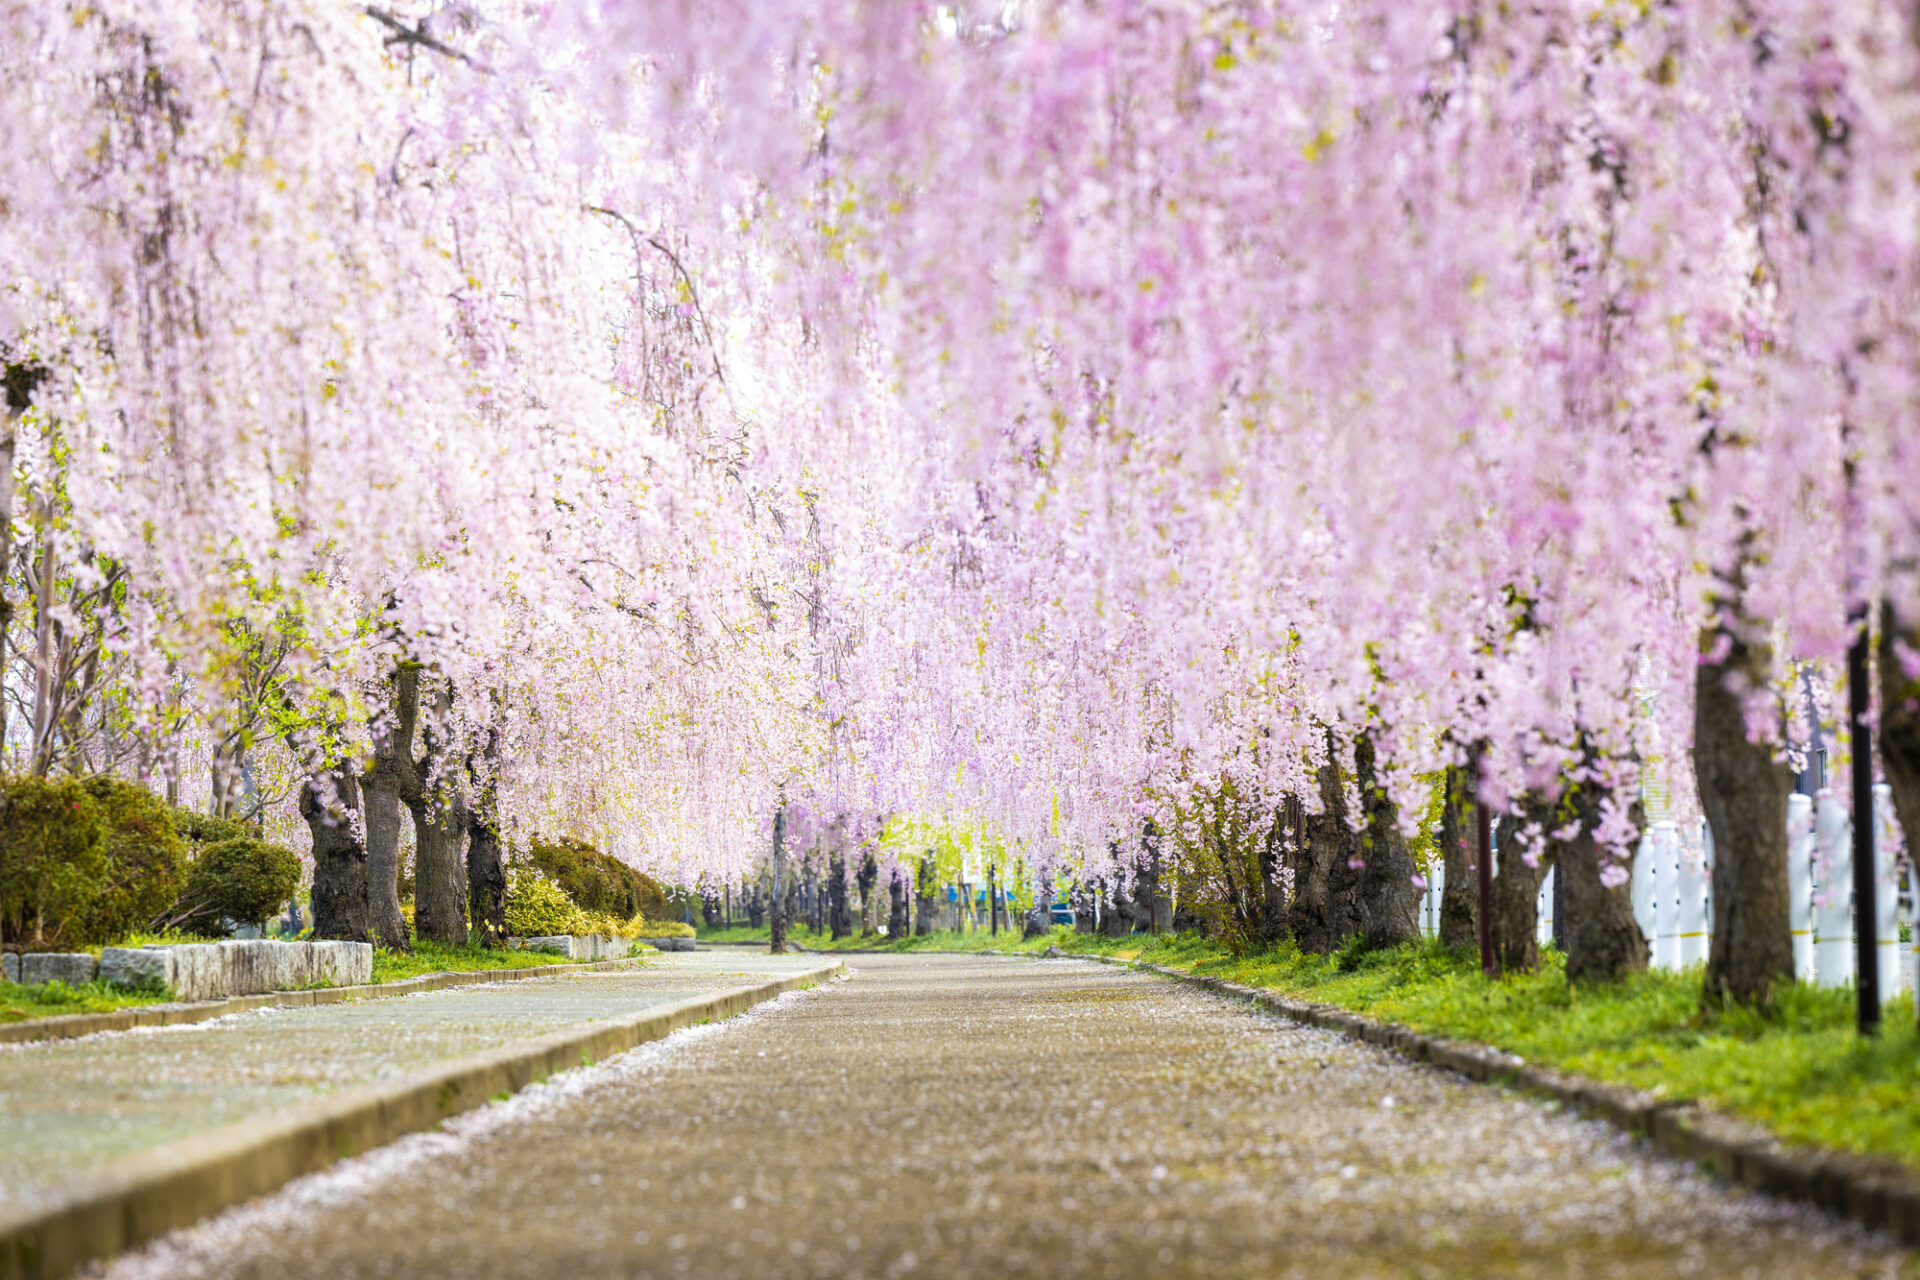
1875,1192
71,1025
149,1194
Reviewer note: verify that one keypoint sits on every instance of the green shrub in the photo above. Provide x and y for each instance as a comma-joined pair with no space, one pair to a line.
245,880
596,882
202,829
539,908
664,929
145,859
52,860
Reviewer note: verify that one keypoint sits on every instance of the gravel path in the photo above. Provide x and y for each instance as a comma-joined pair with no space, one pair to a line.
70,1106
949,1116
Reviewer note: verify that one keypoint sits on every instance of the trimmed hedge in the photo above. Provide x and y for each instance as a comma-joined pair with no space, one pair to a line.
597,883
245,880
83,861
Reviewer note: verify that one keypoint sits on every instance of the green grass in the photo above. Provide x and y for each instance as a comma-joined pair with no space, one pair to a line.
428,957
55,999
1802,1073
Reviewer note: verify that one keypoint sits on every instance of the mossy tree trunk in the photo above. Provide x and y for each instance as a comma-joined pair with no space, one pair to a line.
1460,889
330,803
927,884
1603,940
380,801
1325,910
436,797
1389,899
1514,918
1743,788
486,863
839,918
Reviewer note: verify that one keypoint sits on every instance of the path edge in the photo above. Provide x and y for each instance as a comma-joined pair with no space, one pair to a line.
1872,1192
71,1026
153,1192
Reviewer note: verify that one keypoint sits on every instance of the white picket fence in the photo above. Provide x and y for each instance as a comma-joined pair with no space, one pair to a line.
1673,900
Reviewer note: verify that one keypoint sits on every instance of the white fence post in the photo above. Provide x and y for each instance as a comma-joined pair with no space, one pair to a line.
1543,908
1666,895
1800,883
1833,893
1886,898
1641,891
1694,857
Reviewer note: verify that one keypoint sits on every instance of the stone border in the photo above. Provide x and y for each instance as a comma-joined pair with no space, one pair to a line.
153,1192
1878,1193
70,1025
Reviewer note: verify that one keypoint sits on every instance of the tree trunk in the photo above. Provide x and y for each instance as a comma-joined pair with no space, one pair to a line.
1389,900
899,921
1900,723
1744,790
869,877
756,907
1325,911
926,884
777,913
1603,941
1514,920
440,819
381,806
486,865
1459,893
339,856
839,919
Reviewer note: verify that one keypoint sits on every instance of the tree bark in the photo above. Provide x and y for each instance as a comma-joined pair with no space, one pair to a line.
1603,941
440,818
1744,790
380,805
839,918
1325,911
1900,723
1459,895
756,907
1389,900
486,863
926,884
899,921
1515,916
777,913
869,877
339,855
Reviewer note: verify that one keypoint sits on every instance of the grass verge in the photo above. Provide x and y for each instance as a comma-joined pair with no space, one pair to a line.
55,999
428,957
1801,1073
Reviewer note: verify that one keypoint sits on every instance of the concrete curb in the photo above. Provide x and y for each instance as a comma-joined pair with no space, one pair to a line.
68,1026
1875,1192
154,1192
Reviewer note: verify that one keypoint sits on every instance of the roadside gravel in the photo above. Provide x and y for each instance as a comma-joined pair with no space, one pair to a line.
945,1116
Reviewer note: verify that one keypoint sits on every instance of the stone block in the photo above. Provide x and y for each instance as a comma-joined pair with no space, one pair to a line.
558,944
676,944
136,966
72,968
10,967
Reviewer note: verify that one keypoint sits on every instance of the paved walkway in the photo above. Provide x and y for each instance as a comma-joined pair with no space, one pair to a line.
69,1106
949,1116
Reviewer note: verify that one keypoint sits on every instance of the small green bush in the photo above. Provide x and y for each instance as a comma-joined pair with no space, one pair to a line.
52,860
663,929
146,859
539,908
595,881
203,829
245,880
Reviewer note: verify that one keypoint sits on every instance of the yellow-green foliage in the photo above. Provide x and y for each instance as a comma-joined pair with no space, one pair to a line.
146,860
539,908
661,929
595,881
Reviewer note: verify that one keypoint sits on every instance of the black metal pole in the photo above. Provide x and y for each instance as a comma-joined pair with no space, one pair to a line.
1483,824
1865,914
